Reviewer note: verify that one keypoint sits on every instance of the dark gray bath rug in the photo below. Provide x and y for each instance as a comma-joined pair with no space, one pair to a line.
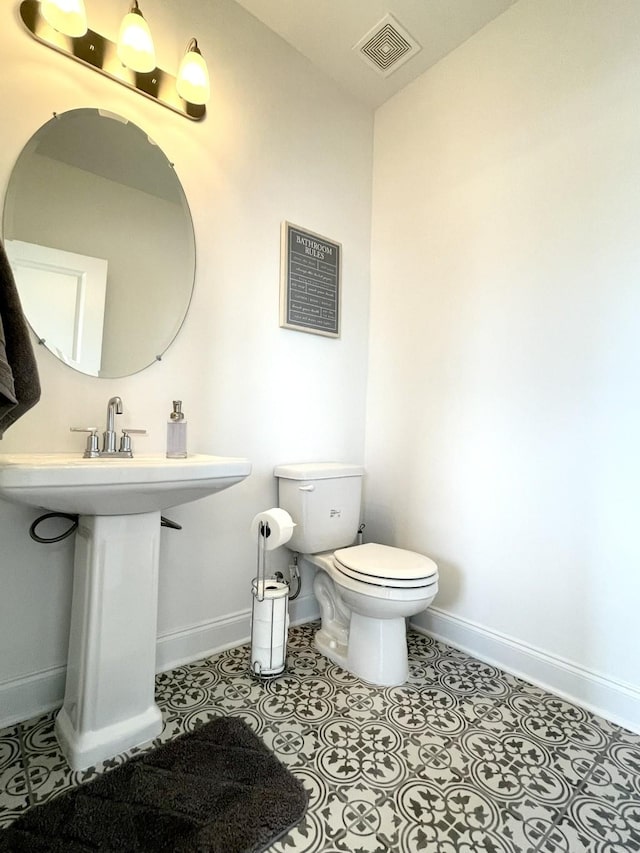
217,789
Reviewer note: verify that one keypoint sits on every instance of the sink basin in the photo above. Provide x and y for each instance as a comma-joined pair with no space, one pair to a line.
65,482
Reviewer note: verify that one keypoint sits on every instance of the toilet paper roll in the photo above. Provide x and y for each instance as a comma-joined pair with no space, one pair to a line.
269,624
280,527
261,635
269,628
267,661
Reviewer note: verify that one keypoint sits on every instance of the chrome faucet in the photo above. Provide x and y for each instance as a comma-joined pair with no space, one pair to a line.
114,407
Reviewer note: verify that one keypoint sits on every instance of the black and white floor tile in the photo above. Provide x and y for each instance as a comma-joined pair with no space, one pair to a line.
462,759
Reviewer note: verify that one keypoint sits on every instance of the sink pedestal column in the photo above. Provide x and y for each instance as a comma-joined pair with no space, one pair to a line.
109,702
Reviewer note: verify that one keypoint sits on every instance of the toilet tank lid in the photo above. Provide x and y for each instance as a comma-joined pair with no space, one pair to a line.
317,470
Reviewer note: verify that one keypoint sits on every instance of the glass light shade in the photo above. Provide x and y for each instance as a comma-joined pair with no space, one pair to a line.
66,16
135,45
192,82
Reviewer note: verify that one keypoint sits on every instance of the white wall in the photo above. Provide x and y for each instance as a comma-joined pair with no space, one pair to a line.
280,142
503,420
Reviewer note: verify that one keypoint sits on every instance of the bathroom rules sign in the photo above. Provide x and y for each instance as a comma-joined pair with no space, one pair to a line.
310,269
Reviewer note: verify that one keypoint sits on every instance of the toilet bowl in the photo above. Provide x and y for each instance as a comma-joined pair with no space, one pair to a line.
365,593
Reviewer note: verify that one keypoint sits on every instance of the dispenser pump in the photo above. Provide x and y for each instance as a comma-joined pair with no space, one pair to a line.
177,433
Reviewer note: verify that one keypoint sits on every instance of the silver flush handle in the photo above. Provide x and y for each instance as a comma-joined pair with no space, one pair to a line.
309,488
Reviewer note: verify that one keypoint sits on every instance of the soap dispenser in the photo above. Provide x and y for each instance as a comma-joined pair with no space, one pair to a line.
176,433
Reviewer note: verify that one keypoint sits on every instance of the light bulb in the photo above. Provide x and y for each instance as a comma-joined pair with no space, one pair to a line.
135,45
192,82
66,16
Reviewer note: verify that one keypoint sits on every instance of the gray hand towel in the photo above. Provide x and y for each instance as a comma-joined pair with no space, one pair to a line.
7,388
19,381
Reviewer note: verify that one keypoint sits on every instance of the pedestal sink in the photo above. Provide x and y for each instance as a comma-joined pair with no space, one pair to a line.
109,702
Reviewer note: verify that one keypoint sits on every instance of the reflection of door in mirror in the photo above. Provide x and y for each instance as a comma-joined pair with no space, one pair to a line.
63,294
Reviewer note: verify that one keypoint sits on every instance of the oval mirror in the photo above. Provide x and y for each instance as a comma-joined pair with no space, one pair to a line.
99,235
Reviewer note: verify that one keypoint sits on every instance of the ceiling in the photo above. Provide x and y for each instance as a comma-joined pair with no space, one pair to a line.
325,31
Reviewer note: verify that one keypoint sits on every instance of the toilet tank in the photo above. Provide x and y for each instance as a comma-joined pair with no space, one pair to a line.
323,498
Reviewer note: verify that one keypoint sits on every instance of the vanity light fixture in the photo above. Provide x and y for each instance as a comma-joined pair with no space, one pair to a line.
193,77
66,16
135,45
131,61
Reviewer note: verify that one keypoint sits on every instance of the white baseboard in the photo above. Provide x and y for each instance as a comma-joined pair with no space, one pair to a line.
38,693
29,696
604,696
177,648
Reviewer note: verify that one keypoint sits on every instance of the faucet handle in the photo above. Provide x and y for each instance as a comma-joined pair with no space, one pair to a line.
125,441
92,450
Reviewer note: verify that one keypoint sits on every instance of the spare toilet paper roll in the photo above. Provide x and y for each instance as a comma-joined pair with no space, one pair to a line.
280,527
269,624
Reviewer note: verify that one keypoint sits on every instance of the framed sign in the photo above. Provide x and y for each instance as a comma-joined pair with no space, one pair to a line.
310,273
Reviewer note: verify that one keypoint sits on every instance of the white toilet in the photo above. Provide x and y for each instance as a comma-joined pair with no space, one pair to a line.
365,592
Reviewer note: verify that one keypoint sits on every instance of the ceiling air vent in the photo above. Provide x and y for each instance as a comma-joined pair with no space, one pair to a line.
387,46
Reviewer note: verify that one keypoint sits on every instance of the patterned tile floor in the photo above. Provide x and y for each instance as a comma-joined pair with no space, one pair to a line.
461,759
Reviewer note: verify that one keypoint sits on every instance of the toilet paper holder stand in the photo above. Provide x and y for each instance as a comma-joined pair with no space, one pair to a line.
270,612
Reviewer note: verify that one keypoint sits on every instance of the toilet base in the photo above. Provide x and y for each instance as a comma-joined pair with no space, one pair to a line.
372,647
332,639
327,646
377,650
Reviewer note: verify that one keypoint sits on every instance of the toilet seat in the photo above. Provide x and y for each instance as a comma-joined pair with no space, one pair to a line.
384,566
384,582
379,590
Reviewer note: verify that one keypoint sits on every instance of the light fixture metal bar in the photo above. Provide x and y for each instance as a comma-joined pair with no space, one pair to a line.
99,53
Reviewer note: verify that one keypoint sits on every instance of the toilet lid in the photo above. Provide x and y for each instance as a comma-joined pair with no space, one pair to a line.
373,562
